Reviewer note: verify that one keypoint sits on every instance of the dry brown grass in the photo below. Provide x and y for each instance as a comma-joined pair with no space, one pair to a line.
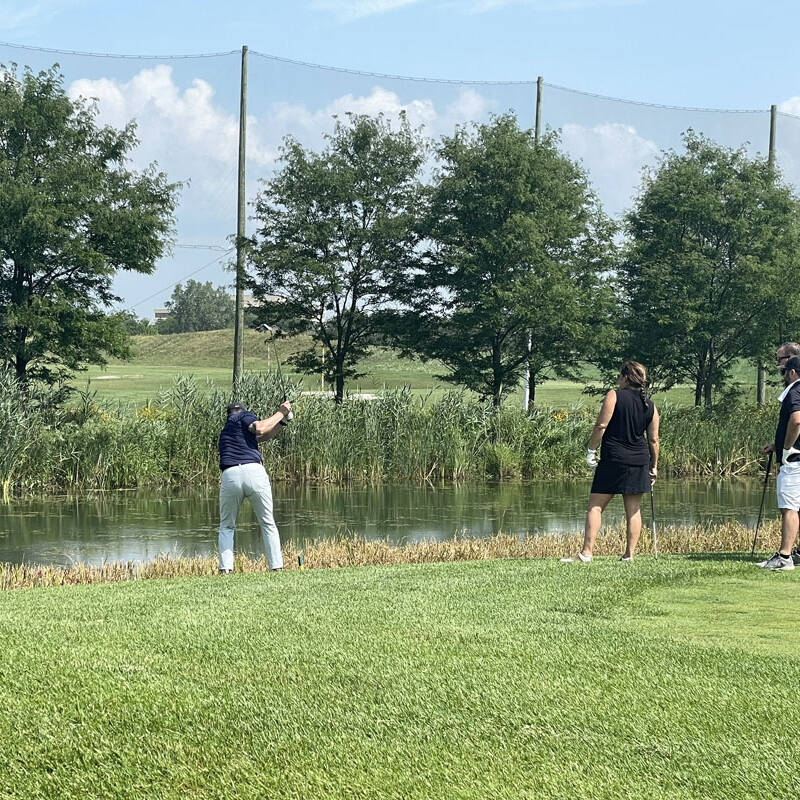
357,552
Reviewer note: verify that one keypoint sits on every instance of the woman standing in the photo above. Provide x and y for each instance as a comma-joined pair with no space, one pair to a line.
628,461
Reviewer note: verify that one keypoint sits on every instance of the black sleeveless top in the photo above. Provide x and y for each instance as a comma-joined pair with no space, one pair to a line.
624,439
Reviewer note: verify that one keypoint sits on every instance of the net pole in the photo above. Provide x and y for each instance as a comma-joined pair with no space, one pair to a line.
238,330
761,388
526,378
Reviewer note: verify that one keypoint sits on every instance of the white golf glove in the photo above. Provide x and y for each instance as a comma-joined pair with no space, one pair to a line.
591,458
790,451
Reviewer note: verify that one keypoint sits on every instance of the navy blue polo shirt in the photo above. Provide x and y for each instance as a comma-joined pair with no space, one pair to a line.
237,444
789,404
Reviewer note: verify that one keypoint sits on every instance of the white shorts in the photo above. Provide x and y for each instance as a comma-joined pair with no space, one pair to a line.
789,486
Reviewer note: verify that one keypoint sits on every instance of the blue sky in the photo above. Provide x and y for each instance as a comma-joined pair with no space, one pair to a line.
710,53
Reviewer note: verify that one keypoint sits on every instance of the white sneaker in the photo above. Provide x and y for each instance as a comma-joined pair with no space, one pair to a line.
778,562
626,558
579,557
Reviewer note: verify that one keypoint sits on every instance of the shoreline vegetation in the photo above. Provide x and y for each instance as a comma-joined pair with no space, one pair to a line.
47,447
355,551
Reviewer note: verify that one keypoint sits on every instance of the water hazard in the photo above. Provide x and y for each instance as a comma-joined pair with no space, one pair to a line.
138,526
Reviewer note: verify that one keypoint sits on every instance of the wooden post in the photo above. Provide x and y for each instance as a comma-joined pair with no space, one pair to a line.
238,330
761,392
526,375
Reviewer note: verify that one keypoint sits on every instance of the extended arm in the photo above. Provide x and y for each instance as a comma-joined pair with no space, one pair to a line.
652,443
603,418
266,429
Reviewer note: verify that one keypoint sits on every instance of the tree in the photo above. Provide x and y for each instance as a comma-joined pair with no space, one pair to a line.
518,249
708,270
72,213
336,232
198,307
136,326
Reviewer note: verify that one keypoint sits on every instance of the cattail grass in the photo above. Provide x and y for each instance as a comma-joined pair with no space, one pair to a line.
400,438
355,551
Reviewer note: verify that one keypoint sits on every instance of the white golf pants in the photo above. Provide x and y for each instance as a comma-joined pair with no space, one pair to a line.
236,483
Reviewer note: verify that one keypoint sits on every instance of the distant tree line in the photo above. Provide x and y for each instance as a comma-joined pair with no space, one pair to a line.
503,257
486,250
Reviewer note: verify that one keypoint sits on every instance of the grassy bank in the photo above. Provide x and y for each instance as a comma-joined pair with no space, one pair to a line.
453,436
356,551
503,679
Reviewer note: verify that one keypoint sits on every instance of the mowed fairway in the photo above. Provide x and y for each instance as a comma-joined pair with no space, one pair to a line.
208,355
492,679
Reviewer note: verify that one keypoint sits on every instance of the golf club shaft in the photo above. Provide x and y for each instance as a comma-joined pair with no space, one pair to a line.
761,507
653,522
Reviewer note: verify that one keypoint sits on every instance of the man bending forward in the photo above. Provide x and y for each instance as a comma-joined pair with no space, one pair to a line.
243,475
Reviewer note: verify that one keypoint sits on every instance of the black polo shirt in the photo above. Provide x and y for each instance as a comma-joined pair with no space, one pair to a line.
790,404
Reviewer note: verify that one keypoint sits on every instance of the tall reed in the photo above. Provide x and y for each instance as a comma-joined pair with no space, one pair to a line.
400,438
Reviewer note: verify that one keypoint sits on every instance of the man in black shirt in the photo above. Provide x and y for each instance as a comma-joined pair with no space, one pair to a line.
243,475
787,450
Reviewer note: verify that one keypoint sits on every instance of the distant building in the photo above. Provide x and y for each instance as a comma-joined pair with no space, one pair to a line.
160,314
251,302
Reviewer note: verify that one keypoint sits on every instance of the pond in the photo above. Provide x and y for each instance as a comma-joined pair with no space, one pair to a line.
139,526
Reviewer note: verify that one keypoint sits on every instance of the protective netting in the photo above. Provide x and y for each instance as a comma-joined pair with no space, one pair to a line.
187,111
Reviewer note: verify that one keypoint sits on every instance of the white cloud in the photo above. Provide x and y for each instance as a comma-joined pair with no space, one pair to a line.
191,137
301,121
790,106
355,9
614,155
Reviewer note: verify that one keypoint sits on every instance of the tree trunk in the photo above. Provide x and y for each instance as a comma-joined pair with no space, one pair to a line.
497,374
339,396
761,394
531,391
21,367
709,381
700,379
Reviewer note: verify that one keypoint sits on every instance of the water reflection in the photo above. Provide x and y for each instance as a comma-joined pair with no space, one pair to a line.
141,525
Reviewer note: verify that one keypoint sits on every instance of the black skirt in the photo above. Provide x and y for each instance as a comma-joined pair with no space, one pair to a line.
611,477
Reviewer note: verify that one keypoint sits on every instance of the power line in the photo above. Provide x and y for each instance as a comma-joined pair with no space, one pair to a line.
191,274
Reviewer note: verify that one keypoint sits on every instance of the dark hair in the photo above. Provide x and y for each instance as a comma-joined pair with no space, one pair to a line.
791,363
235,408
790,348
636,375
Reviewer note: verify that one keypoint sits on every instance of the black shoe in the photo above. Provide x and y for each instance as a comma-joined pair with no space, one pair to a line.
796,557
226,572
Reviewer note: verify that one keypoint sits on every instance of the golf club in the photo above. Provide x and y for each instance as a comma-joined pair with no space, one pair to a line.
761,507
653,522
274,332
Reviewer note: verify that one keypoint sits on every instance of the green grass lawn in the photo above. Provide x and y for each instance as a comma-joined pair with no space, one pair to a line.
208,355
493,679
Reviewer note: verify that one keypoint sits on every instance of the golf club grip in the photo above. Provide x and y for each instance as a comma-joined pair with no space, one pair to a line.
290,415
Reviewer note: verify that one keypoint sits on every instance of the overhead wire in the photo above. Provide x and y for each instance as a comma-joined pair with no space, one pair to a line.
188,275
